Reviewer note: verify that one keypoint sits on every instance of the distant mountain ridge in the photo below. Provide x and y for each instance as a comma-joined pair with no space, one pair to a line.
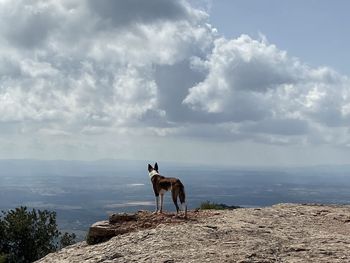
28,166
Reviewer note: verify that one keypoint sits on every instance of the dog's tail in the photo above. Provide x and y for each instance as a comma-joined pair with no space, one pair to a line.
182,197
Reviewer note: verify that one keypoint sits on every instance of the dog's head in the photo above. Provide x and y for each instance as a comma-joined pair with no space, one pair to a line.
153,170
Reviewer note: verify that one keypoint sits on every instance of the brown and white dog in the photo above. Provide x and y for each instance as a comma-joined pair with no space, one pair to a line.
162,184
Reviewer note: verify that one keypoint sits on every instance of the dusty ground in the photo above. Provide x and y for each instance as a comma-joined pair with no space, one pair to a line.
281,233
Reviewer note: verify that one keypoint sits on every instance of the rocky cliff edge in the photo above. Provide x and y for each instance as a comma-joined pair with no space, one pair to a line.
281,233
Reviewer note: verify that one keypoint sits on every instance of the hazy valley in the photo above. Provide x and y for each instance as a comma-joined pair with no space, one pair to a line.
84,192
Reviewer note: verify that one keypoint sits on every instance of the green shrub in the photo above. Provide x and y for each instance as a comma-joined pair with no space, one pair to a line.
29,235
67,240
3,258
211,205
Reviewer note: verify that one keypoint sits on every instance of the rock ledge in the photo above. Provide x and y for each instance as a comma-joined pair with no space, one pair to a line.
123,223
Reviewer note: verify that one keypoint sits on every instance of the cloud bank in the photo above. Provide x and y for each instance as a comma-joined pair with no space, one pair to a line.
157,68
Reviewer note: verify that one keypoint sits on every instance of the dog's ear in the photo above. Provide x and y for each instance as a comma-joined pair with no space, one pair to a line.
156,167
150,168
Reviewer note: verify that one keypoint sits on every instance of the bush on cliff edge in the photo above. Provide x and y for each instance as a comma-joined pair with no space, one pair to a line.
211,205
26,236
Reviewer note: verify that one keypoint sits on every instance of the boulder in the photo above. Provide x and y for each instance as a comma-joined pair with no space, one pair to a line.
122,217
99,232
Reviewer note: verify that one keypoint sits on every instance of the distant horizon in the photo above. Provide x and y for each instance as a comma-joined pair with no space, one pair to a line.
180,164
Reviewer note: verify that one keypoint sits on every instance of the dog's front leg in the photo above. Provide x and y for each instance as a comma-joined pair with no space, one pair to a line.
157,204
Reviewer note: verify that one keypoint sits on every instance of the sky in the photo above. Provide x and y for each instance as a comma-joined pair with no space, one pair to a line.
251,83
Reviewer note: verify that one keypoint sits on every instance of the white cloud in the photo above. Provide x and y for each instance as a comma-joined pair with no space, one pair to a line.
266,91
89,65
241,66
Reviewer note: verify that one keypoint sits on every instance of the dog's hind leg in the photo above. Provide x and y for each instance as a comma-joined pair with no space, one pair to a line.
182,197
174,194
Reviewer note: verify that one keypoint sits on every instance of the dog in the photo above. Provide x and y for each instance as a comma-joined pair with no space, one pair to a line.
162,184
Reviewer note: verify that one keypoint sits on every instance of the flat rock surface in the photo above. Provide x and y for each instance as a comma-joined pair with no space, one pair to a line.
281,233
